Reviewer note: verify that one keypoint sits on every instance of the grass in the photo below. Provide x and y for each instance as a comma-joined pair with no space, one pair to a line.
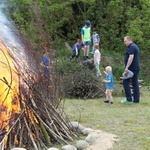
130,122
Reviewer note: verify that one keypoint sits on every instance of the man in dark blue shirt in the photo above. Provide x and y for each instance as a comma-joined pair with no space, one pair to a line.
131,61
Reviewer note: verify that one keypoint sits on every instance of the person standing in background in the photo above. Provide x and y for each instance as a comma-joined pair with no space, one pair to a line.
95,40
86,38
45,63
97,59
131,61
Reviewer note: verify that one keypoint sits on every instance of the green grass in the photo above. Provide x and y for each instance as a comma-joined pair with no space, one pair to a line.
130,122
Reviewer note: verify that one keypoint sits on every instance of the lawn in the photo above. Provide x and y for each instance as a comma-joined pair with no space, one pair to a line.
130,122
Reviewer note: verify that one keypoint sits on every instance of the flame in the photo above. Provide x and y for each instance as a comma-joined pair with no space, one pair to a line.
9,88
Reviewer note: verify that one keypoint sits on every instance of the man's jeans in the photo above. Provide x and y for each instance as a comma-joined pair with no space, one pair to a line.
135,84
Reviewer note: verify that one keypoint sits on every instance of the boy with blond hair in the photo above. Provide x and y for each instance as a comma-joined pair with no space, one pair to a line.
109,84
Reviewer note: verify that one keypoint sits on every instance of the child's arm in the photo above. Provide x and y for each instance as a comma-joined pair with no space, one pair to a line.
105,72
106,81
98,40
100,56
76,51
82,38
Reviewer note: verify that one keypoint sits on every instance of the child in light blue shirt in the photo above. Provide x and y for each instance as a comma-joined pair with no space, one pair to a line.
95,39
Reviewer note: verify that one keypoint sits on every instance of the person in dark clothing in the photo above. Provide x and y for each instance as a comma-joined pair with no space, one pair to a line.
76,49
131,61
45,63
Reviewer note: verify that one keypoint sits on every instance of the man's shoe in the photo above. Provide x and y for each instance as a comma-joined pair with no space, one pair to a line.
135,101
111,102
126,101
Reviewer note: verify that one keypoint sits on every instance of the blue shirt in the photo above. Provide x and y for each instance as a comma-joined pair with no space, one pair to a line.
132,50
95,38
77,46
110,85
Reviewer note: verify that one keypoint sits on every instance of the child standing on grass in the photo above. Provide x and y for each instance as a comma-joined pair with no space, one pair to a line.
109,84
97,59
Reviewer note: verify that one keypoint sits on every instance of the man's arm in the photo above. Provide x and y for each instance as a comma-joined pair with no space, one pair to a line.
130,59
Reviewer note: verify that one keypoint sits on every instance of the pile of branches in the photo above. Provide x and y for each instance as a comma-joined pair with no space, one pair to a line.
41,121
84,84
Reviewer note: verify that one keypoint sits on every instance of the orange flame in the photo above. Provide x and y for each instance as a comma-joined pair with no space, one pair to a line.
9,88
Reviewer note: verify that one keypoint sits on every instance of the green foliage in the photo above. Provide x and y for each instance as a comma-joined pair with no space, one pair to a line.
66,66
61,20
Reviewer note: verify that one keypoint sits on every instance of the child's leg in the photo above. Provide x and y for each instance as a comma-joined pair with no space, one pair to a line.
107,97
106,93
110,98
93,50
87,50
84,53
74,54
97,69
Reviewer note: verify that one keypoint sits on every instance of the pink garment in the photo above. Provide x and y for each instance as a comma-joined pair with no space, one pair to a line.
97,56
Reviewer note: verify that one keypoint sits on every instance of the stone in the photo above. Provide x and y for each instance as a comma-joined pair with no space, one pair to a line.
86,131
90,138
81,144
94,134
68,147
68,46
78,127
18,148
52,148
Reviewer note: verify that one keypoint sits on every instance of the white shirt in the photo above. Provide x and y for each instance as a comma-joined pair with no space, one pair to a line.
97,56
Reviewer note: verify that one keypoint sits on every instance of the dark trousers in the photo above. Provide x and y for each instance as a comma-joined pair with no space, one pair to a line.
135,84
74,54
46,73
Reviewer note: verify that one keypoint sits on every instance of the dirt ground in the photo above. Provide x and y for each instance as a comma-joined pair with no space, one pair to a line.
104,141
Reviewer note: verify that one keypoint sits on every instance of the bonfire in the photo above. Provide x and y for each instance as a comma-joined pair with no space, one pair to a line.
30,115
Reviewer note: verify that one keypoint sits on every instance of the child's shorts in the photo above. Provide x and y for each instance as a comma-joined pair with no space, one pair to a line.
87,43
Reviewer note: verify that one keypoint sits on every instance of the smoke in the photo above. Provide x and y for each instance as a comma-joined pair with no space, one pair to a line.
8,32
11,39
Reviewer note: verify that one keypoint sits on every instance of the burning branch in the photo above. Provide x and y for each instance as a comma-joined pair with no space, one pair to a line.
31,108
